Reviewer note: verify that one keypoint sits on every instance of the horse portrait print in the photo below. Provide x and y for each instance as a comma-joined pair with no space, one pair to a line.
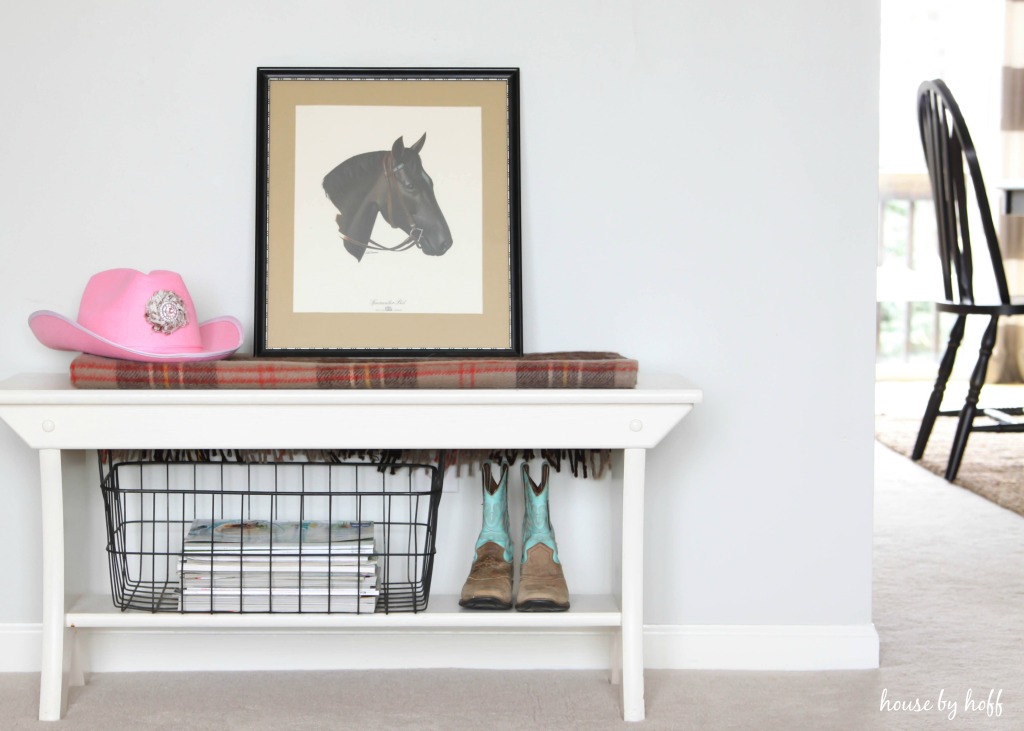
394,184
388,210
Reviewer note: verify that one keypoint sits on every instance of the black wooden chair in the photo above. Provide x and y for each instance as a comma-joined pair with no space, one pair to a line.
949,151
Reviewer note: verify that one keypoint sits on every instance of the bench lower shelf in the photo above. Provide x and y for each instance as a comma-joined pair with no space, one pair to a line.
597,610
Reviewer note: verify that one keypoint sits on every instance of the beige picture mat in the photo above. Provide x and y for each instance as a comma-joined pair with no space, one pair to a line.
286,329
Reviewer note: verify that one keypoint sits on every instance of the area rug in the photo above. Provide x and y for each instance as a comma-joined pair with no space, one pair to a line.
993,465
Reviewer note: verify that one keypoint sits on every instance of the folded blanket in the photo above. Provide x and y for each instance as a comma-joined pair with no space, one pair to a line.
538,370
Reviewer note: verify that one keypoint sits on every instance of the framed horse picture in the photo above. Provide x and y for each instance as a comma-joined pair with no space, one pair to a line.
387,213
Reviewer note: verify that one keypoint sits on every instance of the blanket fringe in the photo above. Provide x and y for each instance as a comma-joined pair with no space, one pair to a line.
580,462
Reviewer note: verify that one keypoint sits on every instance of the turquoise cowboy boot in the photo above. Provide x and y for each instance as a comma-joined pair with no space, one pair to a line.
489,585
542,585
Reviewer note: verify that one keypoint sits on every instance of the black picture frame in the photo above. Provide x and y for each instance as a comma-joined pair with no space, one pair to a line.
427,152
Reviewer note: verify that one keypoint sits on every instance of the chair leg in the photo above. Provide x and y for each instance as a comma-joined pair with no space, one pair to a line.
970,409
935,401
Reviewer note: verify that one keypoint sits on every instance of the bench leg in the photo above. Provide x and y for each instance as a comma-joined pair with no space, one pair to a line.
633,585
615,674
52,686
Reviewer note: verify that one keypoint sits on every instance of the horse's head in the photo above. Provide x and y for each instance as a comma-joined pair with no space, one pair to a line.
414,193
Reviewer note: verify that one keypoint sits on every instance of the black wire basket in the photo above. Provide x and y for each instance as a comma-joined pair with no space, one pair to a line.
234,536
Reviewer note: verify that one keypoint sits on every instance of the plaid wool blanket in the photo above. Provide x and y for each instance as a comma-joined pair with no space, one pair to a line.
538,370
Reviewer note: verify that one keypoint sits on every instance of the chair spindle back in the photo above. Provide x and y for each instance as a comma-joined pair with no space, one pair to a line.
947,147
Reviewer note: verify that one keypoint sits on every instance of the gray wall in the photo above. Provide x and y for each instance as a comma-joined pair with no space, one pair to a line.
698,193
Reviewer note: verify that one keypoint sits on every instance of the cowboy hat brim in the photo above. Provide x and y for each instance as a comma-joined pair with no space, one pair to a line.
220,337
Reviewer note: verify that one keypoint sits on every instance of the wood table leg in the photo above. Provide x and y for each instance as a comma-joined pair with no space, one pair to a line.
52,688
633,585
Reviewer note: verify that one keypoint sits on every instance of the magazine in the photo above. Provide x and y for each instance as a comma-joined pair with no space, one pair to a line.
277,591
276,579
238,534
364,548
323,564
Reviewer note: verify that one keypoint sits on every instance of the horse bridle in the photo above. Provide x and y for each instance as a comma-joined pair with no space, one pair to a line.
415,232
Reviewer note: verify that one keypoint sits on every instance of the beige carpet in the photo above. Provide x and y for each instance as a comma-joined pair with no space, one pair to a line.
993,464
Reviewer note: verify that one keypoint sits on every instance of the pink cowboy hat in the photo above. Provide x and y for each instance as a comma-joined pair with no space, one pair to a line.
134,316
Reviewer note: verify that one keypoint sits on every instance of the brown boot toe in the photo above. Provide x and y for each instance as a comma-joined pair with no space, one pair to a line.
489,584
542,586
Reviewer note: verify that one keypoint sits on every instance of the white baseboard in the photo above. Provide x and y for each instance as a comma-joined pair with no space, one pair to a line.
20,647
761,647
685,647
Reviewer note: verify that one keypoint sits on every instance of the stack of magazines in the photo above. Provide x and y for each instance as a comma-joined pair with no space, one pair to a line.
279,566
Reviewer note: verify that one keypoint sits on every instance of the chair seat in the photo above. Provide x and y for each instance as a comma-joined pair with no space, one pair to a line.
1016,307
